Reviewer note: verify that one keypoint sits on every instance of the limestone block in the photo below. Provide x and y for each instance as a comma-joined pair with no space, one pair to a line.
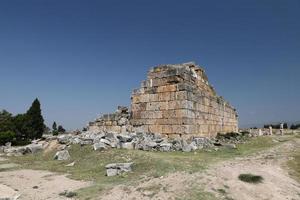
155,128
153,97
167,88
181,95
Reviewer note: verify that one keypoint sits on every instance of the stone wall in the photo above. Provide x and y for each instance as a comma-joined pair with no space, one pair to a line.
117,122
177,100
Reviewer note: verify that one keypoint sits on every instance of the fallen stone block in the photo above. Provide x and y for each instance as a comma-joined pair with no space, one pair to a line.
34,148
118,168
105,141
124,138
99,146
70,164
63,139
62,155
165,147
127,145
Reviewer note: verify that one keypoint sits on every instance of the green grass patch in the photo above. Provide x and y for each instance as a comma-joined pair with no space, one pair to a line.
250,178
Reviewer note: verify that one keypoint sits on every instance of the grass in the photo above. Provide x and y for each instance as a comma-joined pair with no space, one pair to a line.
250,178
90,164
294,165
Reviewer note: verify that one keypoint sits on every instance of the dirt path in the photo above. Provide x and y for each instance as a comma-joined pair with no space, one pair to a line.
37,185
222,180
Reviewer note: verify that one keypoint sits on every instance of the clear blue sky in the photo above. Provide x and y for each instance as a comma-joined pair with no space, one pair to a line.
83,58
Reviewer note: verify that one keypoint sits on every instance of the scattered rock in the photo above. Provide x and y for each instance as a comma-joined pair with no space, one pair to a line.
34,148
105,141
118,168
124,138
63,139
127,145
62,155
71,164
165,146
99,146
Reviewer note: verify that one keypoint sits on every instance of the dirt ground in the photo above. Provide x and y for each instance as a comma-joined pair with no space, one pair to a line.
221,179
36,185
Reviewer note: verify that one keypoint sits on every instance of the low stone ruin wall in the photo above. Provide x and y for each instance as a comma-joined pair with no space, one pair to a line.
117,122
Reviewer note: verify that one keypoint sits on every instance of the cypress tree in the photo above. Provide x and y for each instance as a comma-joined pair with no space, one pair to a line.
54,126
35,121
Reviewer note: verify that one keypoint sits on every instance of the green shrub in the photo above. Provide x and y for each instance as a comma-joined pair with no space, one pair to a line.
54,132
6,136
68,194
250,178
20,142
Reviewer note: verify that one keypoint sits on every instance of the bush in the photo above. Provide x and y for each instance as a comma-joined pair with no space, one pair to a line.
250,178
6,136
68,194
60,129
55,132
295,126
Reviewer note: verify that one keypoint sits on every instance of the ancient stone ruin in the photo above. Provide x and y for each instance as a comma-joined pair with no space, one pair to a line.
175,101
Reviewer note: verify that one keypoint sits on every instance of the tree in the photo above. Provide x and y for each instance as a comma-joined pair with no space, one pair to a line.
34,121
54,126
60,129
295,126
20,128
6,121
6,136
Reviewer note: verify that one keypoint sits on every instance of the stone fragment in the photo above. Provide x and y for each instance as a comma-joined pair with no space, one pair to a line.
62,155
34,148
118,168
124,138
99,146
165,146
63,139
105,141
70,164
127,145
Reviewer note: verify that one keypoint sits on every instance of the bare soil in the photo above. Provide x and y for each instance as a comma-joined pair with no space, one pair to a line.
222,180
37,185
